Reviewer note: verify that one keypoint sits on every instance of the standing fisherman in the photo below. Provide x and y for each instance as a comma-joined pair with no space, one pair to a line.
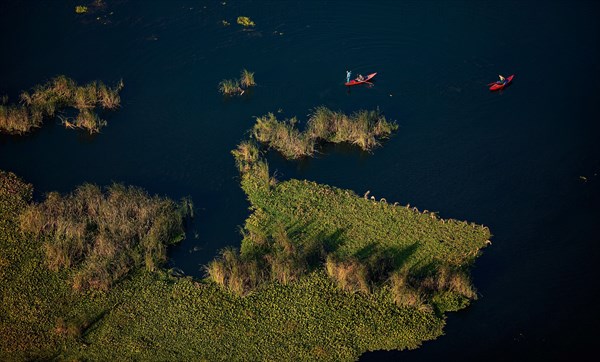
348,75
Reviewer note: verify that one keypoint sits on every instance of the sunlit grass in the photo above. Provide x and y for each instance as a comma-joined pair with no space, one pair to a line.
237,86
247,79
46,100
245,21
363,128
230,86
103,235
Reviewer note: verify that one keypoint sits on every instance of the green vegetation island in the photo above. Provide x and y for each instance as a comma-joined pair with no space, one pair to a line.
321,273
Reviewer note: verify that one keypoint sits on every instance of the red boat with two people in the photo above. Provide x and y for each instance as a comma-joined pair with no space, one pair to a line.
501,84
364,80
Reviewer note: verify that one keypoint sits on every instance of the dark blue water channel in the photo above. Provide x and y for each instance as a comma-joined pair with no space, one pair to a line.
511,160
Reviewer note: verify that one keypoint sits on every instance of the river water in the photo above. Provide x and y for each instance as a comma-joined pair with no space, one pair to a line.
524,161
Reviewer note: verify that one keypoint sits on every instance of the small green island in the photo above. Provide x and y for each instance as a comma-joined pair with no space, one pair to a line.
321,273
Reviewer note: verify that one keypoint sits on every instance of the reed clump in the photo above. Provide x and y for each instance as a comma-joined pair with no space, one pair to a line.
253,169
283,136
237,86
247,79
104,234
274,258
447,279
403,293
349,274
235,273
245,21
246,154
16,119
287,260
230,86
363,128
46,100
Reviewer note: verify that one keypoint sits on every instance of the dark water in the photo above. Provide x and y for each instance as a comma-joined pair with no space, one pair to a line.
509,160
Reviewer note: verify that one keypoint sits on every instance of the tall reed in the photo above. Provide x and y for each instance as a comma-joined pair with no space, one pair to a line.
229,86
237,86
46,100
350,274
362,128
247,79
103,235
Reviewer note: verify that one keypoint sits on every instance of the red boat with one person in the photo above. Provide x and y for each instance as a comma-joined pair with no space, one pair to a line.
357,81
501,84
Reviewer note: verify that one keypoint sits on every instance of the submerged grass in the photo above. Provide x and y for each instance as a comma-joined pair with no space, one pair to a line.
45,100
362,128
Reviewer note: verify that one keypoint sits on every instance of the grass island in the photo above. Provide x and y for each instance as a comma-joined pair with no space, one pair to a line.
60,93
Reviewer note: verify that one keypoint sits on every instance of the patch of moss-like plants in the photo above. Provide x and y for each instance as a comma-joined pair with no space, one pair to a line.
363,129
49,99
237,86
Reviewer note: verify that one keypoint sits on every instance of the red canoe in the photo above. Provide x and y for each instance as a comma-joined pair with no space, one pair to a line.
500,85
366,80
